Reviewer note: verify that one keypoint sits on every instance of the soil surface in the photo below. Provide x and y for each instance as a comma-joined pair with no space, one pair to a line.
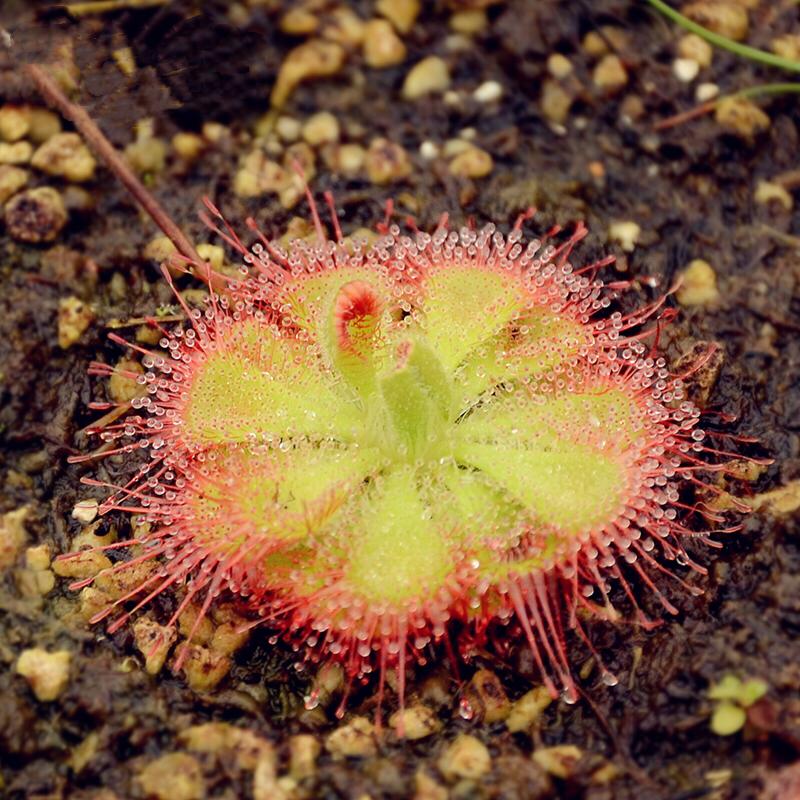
208,69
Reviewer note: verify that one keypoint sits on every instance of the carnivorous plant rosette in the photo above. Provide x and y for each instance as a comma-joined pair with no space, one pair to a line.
384,448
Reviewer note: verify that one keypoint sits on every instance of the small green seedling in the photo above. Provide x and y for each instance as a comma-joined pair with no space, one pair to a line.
733,697
737,48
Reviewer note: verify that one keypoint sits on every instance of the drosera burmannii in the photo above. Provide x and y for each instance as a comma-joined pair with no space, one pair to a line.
409,449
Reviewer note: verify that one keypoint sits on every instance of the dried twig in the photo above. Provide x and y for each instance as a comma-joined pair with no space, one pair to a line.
709,106
104,6
97,140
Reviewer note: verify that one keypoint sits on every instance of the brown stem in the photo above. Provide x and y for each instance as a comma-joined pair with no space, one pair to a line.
685,116
100,144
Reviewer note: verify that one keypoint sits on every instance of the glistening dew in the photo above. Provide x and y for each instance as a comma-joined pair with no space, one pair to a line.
411,449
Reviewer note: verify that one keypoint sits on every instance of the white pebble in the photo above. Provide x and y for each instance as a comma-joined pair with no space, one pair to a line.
625,234
85,511
428,150
288,128
685,69
488,92
706,92
559,66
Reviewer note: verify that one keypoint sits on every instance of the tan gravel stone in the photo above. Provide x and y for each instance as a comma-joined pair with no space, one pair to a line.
526,711
610,74
382,47
12,535
85,511
303,752
741,116
786,46
465,758
596,43
214,254
455,147
415,722
12,179
47,673
34,583
429,76
386,162
767,193
153,641
401,13
486,693
725,17
38,557
122,388
625,233
175,776
43,124
344,26
74,318
115,584
125,60
781,501
148,153
699,50
204,669
83,753
91,601
90,536
556,101
469,22
215,132
426,788
238,745
559,66
16,152
320,128
267,785
345,159
699,286
288,128
200,632
187,145
14,122
559,760
316,58
159,248
355,738
472,163
85,564
429,150
228,638
259,175
299,22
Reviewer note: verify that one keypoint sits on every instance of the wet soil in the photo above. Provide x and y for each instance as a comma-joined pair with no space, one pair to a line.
690,188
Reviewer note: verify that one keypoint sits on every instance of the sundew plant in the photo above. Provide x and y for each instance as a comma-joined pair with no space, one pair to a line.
394,451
